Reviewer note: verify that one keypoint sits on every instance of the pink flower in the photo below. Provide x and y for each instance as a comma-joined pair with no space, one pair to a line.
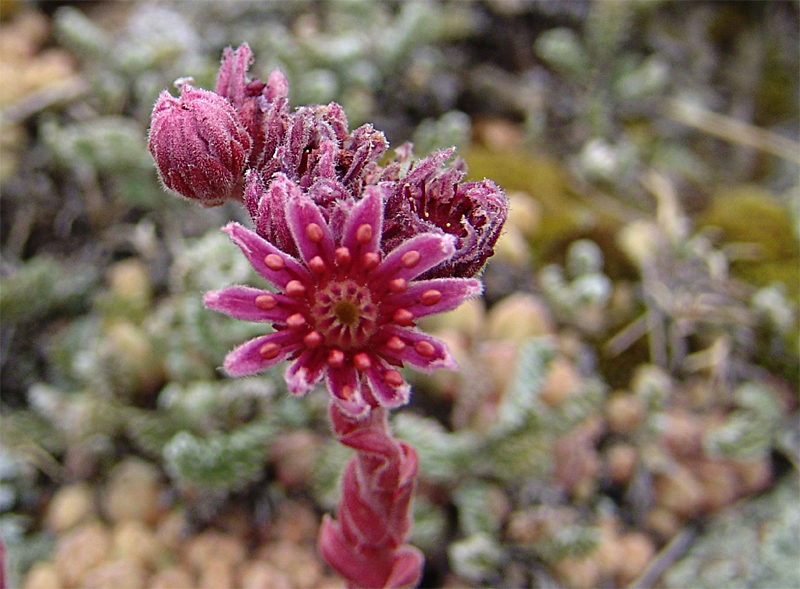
341,309
199,145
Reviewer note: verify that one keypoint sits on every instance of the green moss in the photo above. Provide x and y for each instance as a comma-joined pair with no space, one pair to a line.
564,217
750,214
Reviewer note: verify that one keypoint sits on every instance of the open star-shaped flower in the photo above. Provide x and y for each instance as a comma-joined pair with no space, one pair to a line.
342,310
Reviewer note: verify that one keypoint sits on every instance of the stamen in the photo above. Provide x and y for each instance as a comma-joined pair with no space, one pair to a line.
410,259
361,361
317,265
269,350
336,358
312,339
296,321
342,256
395,344
266,302
431,297
370,260
424,348
348,392
274,262
314,232
393,378
398,285
364,234
295,288
403,317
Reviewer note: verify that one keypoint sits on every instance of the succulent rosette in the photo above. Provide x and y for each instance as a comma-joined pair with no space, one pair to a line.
342,310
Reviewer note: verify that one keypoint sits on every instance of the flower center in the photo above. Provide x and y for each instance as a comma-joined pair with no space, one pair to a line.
344,314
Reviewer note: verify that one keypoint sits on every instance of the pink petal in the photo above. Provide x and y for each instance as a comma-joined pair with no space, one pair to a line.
431,250
256,249
350,399
240,302
453,291
247,359
422,351
368,211
385,394
232,78
302,212
305,372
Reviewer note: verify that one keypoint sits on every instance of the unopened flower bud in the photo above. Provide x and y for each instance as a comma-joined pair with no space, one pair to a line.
199,145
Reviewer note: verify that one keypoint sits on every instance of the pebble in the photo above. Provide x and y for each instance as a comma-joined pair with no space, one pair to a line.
116,574
135,541
172,578
80,551
133,492
71,505
43,575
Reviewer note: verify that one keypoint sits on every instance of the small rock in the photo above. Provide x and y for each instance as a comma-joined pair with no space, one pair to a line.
43,575
133,492
80,551
679,491
261,575
172,578
637,550
135,541
211,547
119,574
216,574
71,505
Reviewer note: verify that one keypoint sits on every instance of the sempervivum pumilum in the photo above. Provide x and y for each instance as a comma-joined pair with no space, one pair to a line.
354,254
343,310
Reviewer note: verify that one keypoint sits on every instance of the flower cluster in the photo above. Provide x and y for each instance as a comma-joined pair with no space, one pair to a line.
354,254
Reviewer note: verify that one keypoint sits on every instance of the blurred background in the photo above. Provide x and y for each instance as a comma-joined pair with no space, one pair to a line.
626,412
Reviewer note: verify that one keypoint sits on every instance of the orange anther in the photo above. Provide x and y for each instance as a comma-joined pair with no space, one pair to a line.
425,348
371,260
393,378
274,262
431,297
364,234
266,302
395,344
295,288
361,361
312,339
296,321
342,256
410,259
269,350
403,317
314,232
398,285
317,265
336,358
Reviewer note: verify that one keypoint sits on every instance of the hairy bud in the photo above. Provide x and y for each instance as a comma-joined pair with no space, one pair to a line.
199,145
